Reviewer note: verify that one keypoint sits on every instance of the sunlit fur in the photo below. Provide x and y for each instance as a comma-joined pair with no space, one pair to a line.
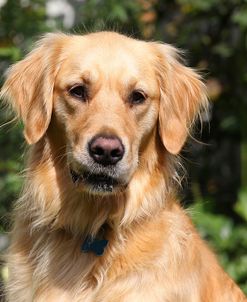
154,252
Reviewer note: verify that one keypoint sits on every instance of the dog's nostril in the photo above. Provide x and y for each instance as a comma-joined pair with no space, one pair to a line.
116,153
98,151
106,150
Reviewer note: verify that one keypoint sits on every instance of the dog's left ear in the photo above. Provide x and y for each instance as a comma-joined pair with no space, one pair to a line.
183,96
29,86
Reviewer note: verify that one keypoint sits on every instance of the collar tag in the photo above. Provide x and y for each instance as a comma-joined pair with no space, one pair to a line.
97,246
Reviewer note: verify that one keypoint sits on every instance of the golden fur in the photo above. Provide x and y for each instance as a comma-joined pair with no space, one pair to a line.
154,252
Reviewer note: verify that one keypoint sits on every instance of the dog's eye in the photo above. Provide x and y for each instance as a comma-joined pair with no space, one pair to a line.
79,91
137,97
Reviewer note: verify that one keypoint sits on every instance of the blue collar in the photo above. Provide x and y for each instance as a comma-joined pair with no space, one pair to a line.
97,246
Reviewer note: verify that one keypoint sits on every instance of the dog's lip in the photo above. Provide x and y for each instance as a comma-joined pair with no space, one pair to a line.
75,176
93,178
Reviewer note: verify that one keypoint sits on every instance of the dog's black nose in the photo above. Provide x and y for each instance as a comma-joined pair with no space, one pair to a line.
106,150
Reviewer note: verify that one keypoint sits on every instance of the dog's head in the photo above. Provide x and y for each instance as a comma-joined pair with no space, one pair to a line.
110,95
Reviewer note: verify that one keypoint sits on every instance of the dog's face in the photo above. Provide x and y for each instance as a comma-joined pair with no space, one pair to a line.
108,99
110,94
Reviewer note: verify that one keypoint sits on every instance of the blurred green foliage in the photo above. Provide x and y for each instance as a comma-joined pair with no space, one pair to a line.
214,33
227,238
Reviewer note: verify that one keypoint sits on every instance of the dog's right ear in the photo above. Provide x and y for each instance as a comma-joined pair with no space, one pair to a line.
29,86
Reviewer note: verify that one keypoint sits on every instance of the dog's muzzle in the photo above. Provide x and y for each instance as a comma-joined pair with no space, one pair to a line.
100,172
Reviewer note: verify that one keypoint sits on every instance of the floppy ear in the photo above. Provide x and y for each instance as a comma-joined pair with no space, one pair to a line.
183,96
29,86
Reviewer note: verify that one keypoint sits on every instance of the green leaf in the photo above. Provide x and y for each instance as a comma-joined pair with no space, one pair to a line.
241,205
13,53
240,17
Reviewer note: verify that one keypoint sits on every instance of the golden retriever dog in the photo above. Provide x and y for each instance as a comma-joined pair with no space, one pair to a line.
98,219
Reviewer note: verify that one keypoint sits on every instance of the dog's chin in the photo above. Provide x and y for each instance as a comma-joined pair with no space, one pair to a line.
96,183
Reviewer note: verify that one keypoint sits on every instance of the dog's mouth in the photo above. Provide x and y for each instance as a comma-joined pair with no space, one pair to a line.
97,182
